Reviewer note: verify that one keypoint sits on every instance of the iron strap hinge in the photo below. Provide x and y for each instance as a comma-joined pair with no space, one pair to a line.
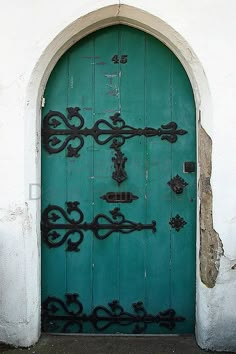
58,225
59,131
66,316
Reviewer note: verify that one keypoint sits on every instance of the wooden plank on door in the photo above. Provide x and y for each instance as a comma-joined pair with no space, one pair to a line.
158,68
80,171
184,204
53,185
132,252
106,103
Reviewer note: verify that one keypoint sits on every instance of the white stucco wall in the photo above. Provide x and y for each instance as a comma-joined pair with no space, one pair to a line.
28,32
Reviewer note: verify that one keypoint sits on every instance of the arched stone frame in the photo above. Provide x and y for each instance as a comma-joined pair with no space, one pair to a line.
207,268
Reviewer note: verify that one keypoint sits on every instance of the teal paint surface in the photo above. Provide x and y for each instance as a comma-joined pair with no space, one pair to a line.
150,90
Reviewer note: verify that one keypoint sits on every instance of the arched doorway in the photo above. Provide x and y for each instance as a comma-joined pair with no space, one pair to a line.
118,188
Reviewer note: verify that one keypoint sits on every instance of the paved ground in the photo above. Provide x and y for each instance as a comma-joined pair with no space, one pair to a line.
111,345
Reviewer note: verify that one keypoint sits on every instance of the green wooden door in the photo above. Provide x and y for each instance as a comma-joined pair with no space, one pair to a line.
118,188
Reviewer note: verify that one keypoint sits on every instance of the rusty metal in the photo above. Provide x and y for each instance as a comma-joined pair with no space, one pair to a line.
189,167
177,184
177,223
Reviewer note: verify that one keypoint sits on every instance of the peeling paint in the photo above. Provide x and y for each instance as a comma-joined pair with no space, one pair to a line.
27,219
17,211
211,247
110,76
11,214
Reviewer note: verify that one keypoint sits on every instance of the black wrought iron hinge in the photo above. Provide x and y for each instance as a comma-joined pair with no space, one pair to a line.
60,133
66,316
58,225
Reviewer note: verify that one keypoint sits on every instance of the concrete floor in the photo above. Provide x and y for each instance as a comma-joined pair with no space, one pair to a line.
111,345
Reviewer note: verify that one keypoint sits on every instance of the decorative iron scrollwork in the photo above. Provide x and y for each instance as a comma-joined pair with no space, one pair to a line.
177,223
177,184
58,226
68,316
119,197
60,132
119,175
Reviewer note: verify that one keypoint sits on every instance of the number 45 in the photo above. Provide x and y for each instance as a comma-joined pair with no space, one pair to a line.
122,60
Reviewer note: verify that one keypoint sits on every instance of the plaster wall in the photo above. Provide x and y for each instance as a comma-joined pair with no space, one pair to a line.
33,35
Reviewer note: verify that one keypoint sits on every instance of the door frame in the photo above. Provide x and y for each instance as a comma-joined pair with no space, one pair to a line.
81,27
